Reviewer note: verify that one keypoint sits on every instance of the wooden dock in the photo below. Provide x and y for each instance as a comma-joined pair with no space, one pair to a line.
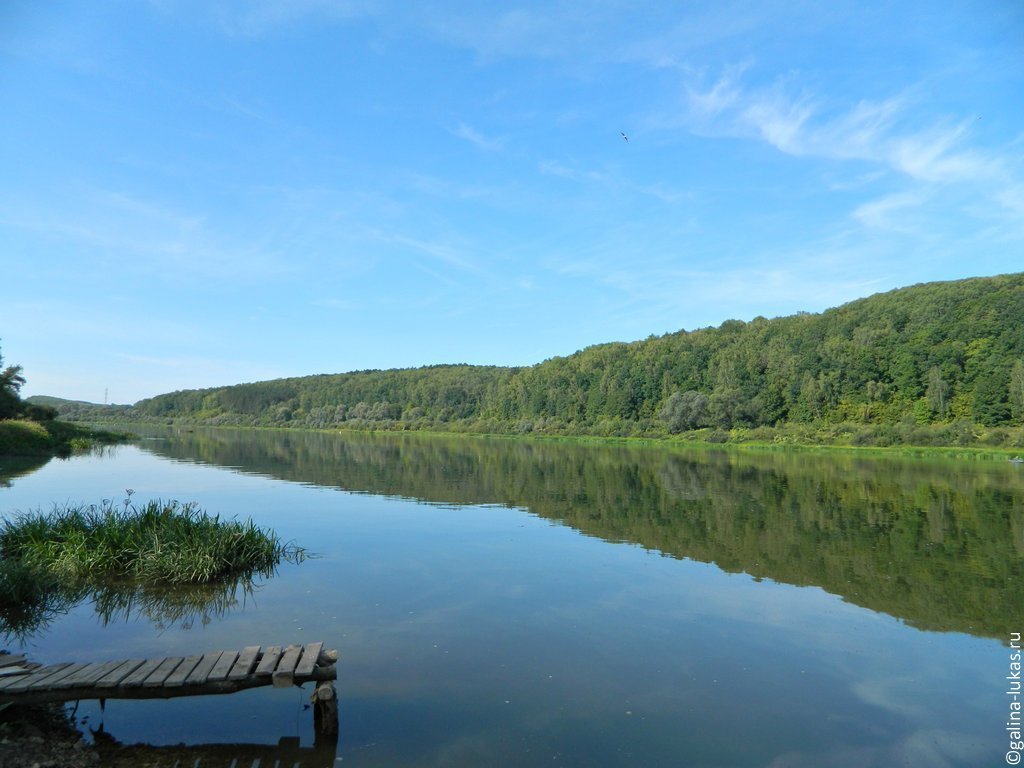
217,672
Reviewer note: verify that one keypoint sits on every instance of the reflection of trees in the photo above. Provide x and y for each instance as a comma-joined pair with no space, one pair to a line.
287,751
937,542
29,603
13,467
167,607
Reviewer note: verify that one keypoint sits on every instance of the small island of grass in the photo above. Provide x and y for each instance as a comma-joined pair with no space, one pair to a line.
159,542
50,561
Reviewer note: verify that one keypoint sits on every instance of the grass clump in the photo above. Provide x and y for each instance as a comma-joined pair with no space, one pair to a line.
155,543
25,437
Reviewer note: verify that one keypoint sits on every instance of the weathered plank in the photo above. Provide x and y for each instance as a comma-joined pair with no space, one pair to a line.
203,669
119,673
11,674
89,674
269,661
40,675
59,683
9,660
310,653
182,671
137,677
161,673
171,677
284,675
223,666
244,665
96,672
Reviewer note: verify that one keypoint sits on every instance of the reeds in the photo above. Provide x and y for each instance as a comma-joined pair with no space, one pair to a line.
156,543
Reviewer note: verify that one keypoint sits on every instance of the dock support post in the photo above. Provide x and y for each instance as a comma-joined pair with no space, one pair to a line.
325,713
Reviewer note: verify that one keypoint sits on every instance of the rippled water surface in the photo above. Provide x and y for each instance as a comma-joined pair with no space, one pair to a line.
504,602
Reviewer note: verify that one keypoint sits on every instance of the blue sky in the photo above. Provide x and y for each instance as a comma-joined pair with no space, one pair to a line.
203,193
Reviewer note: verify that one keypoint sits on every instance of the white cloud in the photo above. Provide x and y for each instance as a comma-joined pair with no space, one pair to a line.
262,17
721,96
874,131
780,121
889,212
473,136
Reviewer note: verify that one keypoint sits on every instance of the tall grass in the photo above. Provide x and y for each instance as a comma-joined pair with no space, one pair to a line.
155,543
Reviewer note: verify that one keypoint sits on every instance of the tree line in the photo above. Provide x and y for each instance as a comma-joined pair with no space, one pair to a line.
937,358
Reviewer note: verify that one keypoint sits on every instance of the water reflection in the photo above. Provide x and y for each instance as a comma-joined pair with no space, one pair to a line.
938,543
31,605
13,467
286,752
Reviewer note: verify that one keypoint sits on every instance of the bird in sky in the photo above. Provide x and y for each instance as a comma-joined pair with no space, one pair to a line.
624,136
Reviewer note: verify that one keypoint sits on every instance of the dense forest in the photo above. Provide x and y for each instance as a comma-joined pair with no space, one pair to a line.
937,363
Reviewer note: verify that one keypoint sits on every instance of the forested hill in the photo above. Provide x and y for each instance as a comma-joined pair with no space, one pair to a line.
936,356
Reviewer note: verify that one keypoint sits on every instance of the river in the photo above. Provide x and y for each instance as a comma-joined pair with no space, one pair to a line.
510,602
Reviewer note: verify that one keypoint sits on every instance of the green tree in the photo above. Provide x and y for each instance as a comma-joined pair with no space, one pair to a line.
937,392
1017,391
10,387
684,410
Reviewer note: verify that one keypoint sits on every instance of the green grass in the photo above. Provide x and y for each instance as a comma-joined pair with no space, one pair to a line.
156,543
22,437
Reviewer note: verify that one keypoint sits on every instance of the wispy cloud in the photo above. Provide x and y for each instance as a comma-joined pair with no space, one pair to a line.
514,32
132,234
803,125
890,212
261,17
442,252
927,174
479,140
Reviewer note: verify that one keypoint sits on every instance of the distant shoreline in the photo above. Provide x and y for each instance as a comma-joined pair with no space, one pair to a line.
739,439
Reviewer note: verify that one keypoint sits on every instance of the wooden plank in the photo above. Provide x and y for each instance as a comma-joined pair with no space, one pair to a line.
182,671
66,681
119,673
223,666
69,680
100,672
9,660
244,665
39,675
310,653
284,675
46,681
87,676
269,661
203,669
162,672
136,678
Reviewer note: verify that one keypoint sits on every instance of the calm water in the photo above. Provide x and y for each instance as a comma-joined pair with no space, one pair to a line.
503,602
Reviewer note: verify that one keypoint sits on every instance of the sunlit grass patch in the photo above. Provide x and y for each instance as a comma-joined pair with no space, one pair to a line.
155,543
23,436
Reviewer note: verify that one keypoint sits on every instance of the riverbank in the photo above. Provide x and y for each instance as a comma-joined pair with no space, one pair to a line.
22,437
43,736
974,443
